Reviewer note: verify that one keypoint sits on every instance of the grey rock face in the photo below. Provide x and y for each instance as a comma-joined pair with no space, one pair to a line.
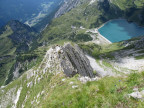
67,6
74,61
138,43
17,68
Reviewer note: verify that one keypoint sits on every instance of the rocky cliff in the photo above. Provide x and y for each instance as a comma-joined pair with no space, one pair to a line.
67,6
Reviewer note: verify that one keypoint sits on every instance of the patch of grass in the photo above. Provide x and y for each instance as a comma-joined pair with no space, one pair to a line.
104,51
141,51
139,57
112,47
92,49
8,31
95,72
133,79
81,38
5,65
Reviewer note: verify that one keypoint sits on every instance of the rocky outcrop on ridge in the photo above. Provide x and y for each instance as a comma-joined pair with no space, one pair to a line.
68,59
74,61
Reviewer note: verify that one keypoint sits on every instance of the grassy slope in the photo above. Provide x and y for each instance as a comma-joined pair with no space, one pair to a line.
108,92
6,45
125,4
98,50
133,9
60,28
6,49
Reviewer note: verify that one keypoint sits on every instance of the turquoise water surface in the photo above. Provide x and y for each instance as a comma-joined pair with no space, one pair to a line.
118,30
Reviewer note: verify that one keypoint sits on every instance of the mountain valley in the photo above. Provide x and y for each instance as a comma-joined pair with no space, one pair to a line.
69,64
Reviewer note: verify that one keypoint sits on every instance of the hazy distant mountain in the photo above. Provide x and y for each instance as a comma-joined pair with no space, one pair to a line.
30,12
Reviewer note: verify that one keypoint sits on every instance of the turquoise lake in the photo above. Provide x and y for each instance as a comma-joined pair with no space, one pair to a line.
118,30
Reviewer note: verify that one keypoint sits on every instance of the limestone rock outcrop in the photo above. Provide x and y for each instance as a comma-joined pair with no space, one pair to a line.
74,61
68,59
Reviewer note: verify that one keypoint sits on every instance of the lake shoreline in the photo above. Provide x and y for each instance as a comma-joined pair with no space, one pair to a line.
100,38
103,37
109,21
106,36
103,25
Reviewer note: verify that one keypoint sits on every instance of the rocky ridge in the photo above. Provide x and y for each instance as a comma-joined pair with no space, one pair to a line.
66,59
71,60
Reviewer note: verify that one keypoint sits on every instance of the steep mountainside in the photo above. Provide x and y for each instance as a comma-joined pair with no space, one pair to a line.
67,6
15,37
64,6
91,15
133,10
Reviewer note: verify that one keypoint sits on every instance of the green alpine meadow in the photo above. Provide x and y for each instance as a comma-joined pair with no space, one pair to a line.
72,54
